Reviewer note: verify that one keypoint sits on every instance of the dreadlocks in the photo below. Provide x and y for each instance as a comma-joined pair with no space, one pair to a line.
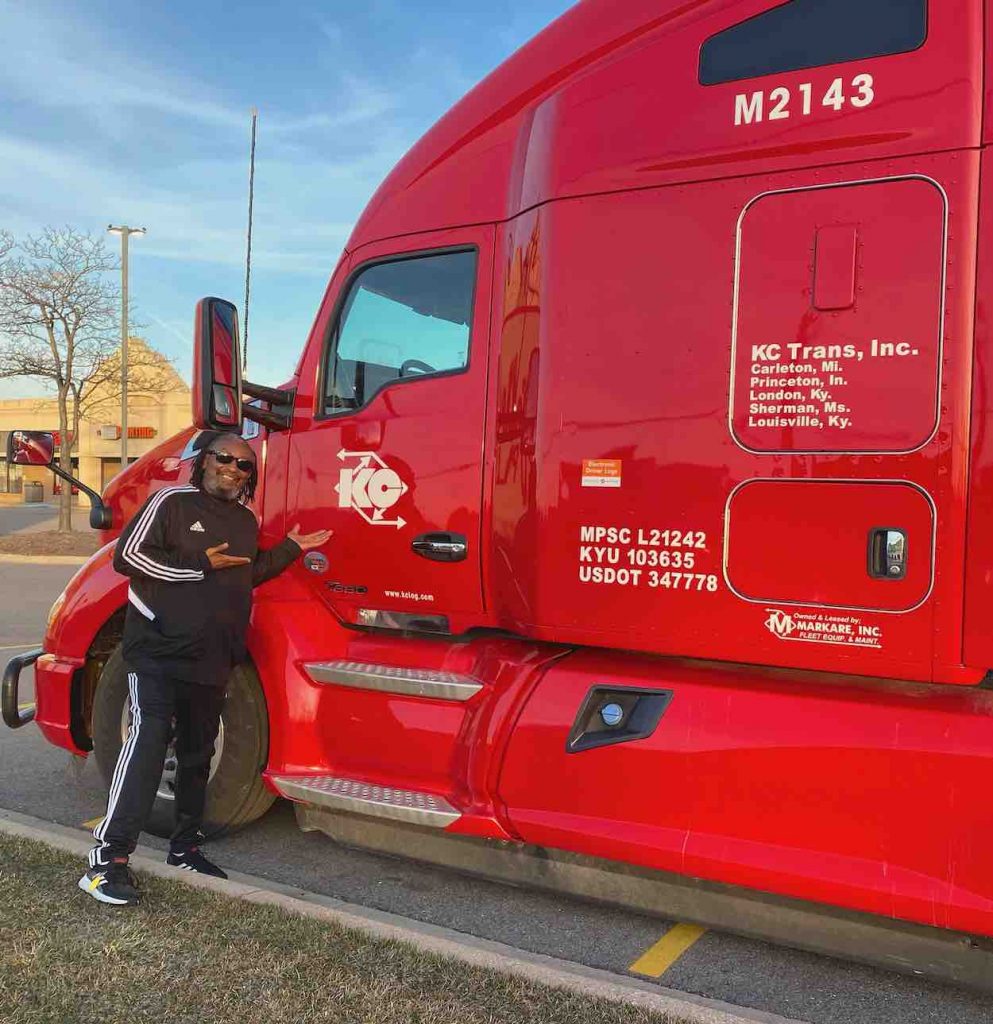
208,441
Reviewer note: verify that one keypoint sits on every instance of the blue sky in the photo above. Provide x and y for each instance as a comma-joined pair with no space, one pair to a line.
139,113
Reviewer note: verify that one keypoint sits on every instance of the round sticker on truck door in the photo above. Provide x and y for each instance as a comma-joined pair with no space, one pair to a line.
370,487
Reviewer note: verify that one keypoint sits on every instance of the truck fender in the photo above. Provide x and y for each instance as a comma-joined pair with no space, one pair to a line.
89,600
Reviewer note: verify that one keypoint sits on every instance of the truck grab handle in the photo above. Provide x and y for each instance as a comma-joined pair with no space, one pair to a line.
13,716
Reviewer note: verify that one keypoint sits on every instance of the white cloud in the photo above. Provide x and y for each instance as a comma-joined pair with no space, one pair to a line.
105,79
204,222
179,331
60,61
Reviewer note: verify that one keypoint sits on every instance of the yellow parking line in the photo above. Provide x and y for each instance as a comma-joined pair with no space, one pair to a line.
21,707
92,823
657,960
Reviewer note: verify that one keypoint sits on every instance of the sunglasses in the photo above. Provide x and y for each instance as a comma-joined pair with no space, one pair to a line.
225,459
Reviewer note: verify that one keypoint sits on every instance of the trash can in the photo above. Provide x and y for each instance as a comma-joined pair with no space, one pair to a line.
33,491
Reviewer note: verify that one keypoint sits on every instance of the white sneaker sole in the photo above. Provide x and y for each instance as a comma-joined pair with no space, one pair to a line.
85,884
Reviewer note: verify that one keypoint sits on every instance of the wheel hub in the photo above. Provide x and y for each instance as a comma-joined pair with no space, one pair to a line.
167,783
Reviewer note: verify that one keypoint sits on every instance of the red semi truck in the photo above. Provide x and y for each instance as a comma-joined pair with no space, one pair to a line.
649,403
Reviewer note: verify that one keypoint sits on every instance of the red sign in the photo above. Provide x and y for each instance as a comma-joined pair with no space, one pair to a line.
112,432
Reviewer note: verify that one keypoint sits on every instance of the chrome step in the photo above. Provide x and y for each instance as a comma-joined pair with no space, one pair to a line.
365,798
414,682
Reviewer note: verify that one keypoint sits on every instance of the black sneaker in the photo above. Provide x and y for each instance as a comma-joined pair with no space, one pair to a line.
193,860
114,884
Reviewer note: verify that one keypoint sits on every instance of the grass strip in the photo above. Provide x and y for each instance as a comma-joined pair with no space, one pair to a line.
185,954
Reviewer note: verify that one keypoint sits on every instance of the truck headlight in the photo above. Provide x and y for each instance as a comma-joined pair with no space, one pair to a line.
54,610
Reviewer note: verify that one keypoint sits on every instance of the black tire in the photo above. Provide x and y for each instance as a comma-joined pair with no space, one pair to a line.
236,795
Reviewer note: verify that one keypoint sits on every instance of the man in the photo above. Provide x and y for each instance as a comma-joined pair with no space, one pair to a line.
192,559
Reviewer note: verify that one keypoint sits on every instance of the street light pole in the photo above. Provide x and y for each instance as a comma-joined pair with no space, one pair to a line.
125,232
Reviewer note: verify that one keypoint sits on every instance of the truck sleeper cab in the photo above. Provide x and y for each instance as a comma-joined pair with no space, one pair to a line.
648,404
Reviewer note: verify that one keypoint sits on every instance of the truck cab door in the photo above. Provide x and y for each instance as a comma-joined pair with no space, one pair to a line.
387,451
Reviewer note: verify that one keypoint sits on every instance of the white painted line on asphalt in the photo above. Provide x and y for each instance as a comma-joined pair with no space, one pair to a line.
17,647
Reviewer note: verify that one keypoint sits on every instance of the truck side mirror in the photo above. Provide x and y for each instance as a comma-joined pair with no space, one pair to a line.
30,448
216,367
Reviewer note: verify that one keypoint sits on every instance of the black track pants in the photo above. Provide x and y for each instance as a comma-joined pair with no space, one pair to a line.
155,700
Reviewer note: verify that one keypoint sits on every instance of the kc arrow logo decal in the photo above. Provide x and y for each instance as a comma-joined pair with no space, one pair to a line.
370,487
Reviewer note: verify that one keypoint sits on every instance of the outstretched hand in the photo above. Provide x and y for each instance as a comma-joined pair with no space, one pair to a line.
219,560
306,541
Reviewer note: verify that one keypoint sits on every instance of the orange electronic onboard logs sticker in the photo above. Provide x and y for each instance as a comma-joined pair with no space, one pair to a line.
601,472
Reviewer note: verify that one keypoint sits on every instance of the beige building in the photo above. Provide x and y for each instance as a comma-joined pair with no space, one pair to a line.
158,407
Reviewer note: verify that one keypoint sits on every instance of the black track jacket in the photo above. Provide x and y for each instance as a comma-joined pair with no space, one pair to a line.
184,619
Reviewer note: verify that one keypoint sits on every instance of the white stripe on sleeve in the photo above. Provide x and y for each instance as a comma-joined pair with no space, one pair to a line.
140,560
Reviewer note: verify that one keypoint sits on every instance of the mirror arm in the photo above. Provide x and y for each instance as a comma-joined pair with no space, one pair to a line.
274,396
272,420
100,516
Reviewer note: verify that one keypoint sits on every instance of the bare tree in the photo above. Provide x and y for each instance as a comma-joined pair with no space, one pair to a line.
58,315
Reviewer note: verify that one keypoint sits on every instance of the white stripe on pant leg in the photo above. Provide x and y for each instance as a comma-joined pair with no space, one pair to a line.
124,758
120,769
94,856
115,785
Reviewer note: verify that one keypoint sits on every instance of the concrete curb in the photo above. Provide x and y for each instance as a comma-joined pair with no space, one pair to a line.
44,559
545,970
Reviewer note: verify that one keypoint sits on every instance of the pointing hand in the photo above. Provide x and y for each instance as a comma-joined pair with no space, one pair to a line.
218,560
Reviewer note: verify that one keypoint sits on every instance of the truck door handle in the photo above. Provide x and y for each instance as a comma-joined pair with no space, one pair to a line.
441,547
887,553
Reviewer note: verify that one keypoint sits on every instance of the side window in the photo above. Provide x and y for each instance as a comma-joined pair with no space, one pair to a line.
401,319
808,33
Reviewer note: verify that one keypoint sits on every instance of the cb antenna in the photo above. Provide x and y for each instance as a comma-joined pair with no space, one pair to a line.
248,254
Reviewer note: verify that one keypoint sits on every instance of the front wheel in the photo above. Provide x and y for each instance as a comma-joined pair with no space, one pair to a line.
236,795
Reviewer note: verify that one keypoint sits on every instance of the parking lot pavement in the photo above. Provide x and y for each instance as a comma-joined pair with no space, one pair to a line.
36,517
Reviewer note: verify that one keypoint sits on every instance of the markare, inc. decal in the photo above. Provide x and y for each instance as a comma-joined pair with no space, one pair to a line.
823,627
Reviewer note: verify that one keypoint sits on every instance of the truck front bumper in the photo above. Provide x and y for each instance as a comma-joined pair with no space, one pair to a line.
52,709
